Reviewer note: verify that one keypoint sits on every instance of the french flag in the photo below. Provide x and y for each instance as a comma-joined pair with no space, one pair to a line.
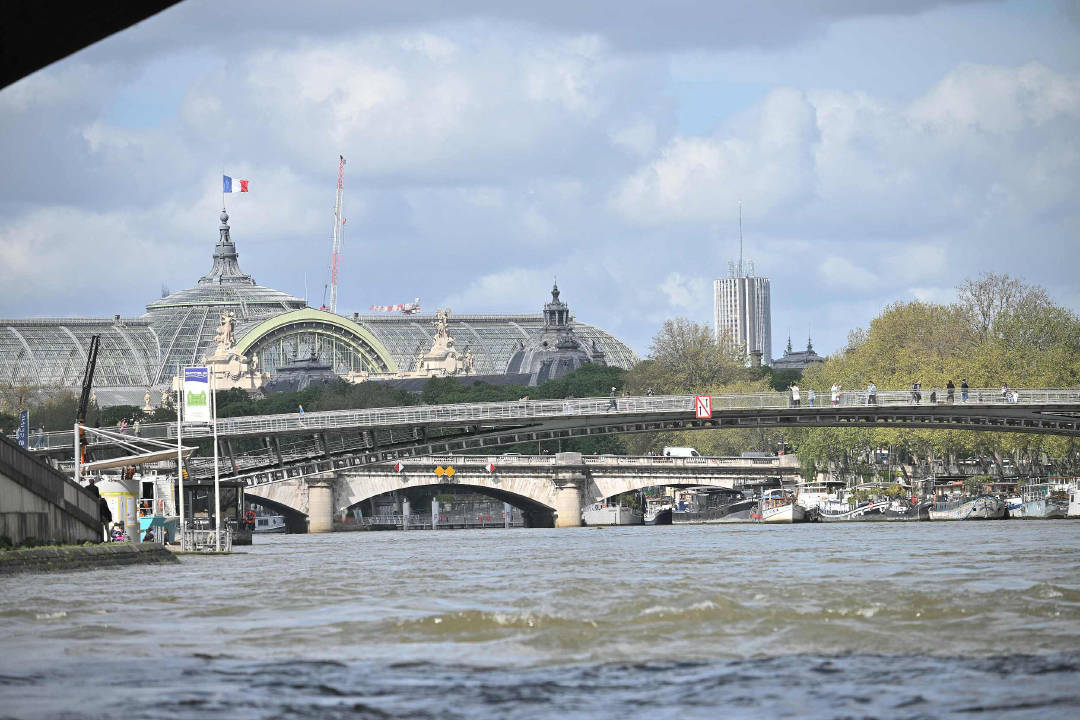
233,186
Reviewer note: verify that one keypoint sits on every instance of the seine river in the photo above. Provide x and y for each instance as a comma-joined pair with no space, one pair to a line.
914,620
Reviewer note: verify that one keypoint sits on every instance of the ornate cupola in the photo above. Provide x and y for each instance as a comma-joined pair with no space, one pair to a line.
226,269
556,312
555,351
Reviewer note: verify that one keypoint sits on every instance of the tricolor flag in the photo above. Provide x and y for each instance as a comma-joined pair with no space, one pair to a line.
233,186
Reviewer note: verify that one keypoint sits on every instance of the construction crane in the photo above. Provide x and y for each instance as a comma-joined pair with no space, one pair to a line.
87,385
339,226
403,308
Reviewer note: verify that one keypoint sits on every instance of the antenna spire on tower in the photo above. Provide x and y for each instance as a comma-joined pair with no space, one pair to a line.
740,240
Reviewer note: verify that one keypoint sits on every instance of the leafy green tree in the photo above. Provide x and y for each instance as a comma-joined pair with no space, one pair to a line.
8,423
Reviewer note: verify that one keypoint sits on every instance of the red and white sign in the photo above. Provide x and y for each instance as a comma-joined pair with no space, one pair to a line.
398,467
703,407
489,467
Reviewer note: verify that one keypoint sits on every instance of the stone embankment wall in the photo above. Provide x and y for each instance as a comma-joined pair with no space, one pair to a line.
84,557
40,503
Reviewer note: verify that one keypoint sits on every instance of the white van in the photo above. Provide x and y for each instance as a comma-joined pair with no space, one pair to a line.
681,452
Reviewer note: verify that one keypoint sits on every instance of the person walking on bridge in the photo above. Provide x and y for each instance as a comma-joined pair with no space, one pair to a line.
963,391
950,389
871,393
612,404
796,396
836,394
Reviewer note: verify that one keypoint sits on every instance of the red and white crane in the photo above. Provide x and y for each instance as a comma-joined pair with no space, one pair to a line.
339,227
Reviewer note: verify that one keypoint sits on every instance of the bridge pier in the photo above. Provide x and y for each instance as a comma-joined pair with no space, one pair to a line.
569,481
320,505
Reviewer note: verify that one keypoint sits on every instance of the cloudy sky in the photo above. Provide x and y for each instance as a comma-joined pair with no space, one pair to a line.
882,151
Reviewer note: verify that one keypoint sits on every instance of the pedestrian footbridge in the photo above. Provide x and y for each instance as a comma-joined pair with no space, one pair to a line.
273,448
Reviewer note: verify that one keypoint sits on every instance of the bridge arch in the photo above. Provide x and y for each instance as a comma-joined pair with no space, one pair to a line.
295,520
530,492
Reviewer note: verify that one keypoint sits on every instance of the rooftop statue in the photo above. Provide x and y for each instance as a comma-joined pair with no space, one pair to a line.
224,337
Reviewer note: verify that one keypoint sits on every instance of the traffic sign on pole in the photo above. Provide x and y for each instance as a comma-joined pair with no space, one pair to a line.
703,407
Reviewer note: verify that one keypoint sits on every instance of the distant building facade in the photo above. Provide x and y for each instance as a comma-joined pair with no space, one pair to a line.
742,313
798,360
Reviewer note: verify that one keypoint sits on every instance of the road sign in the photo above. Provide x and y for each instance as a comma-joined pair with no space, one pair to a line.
703,407
448,471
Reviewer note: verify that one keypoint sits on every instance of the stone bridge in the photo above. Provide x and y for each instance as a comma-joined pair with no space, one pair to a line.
548,489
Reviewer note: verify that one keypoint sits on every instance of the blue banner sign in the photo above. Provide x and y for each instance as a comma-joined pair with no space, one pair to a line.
196,394
23,436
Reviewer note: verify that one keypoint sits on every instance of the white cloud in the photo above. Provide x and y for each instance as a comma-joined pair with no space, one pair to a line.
685,292
841,273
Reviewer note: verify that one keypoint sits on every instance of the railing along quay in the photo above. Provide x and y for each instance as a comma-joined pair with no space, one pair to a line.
550,410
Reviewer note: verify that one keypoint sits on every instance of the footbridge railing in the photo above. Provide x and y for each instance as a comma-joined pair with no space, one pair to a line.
532,411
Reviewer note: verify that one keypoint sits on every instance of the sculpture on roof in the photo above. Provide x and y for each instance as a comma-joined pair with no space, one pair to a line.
224,337
146,400
442,359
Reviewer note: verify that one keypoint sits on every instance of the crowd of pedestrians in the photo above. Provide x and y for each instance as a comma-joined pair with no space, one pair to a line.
837,395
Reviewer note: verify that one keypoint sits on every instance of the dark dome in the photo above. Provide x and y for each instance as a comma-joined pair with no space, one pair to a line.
555,351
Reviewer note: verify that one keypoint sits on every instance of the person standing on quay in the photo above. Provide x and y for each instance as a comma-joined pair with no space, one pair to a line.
950,389
963,391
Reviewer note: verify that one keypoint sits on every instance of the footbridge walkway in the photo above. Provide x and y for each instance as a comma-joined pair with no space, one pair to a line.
272,448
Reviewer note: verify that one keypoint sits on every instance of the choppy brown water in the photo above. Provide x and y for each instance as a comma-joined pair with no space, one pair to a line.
878,620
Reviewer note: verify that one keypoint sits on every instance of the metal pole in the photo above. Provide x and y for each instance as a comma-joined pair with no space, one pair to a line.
179,448
217,476
78,465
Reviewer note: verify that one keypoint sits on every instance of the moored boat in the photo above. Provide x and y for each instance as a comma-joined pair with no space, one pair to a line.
658,511
778,506
982,507
1040,501
611,513
269,523
709,505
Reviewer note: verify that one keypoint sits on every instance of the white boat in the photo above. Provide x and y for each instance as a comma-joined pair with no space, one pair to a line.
779,506
1040,501
269,524
605,513
1074,500
658,510
983,507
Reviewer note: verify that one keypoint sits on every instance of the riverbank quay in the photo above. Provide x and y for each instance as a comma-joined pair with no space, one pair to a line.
64,558
40,503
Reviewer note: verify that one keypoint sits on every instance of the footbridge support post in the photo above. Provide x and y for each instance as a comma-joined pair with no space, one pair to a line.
569,481
320,504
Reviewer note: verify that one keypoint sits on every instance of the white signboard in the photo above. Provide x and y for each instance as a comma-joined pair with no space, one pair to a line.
703,407
196,394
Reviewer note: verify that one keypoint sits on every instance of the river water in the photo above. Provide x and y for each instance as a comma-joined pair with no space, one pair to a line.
896,620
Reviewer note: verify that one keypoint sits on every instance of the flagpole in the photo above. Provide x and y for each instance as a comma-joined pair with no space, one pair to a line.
217,476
